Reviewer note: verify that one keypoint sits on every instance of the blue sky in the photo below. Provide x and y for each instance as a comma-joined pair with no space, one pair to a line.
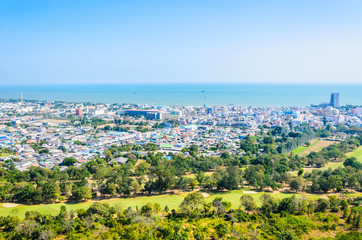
63,41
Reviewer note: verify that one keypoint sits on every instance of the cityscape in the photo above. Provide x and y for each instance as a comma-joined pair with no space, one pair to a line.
181,120
71,129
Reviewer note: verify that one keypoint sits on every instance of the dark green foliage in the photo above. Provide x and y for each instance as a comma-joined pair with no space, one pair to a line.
287,205
221,230
353,162
81,193
322,205
70,161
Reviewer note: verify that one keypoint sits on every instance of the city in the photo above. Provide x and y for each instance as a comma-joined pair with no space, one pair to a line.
71,129
181,120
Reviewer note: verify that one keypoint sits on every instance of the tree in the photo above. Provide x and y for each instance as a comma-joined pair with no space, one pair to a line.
233,178
288,205
63,213
353,162
101,209
108,156
49,190
268,140
156,208
164,180
81,193
69,161
193,184
269,204
221,205
221,230
335,182
192,203
248,202
297,184
110,188
147,209
324,184
334,153
322,205
225,155
142,169
26,194
255,175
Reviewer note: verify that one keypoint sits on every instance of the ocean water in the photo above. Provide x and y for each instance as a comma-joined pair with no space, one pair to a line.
258,95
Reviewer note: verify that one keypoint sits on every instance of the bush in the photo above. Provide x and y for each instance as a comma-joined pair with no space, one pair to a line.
322,205
335,209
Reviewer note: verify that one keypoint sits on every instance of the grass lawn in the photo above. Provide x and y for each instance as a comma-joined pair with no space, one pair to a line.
172,201
356,153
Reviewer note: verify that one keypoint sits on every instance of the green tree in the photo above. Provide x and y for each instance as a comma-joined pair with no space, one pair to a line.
192,203
322,205
288,205
49,190
248,202
69,161
221,230
353,162
335,153
335,182
108,156
193,184
297,184
81,193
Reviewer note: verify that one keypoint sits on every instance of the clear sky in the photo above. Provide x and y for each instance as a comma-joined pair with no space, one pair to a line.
75,41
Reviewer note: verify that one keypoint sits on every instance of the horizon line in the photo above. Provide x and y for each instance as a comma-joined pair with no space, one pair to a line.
179,83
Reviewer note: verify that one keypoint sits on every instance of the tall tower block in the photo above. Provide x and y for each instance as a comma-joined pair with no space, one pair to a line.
334,100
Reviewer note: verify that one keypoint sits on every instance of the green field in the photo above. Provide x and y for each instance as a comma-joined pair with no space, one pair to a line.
334,165
172,201
356,153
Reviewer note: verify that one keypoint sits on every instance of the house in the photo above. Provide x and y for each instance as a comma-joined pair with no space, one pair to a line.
119,160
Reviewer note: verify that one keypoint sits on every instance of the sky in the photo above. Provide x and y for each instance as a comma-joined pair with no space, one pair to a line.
180,41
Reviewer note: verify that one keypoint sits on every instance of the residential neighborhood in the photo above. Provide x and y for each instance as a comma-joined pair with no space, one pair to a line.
43,133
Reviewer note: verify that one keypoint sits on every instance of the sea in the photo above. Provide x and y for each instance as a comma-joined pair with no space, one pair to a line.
256,95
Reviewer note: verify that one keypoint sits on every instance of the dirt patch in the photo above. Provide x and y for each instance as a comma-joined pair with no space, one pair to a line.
250,192
10,205
316,147
204,194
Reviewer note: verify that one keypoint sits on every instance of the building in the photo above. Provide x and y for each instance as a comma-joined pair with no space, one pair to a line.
334,100
149,114
78,112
